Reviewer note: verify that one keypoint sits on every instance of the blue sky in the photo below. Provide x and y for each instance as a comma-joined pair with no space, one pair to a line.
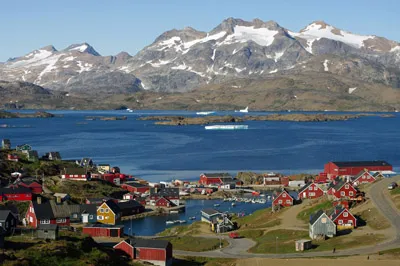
114,26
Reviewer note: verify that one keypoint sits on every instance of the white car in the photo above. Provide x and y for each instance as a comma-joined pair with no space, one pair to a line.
392,185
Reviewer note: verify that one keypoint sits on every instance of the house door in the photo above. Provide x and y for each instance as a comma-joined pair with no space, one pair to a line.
114,232
304,195
85,218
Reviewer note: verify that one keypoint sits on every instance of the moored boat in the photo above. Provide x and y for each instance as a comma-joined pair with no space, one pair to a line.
226,127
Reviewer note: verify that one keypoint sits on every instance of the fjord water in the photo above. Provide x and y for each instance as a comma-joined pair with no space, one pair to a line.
156,152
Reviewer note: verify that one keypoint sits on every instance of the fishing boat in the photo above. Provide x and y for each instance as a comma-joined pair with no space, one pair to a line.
170,222
192,218
226,127
216,205
245,110
233,204
181,221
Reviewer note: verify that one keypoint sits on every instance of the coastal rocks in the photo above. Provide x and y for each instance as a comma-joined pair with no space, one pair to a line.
106,118
205,120
39,114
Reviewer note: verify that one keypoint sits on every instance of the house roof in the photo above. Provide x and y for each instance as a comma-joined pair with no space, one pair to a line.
147,243
62,195
210,211
305,187
316,216
361,173
113,206
377,174
217,175
361,163
104,225
165,192
98,200
43,210
339,185
60,210
130,204
75,171
47,227
14,190
33,153
4,214
135,184
88,208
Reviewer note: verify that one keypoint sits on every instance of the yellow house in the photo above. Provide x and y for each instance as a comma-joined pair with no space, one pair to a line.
103,168
108,213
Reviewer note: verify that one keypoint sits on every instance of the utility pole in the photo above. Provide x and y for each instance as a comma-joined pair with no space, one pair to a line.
276,245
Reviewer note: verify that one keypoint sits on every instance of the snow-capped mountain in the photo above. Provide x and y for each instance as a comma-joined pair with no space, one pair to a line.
78,68
181,60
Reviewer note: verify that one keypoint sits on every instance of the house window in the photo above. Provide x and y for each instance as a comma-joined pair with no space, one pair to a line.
101,210
91,216
288,202
100,217
312,194
342,193
46,221
309,188
61,220
280,201
340,221
75,215
106,210
345,214
351,193
346,186
315,188
30,219
284,195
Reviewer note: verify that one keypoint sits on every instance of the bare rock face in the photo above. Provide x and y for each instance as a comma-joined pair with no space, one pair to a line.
183,60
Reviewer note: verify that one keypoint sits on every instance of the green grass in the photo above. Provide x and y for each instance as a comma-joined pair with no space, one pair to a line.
259,219
197,261
346,241
181,229
252,234
197,244
304,215
281,241
395,252
395,191
374,219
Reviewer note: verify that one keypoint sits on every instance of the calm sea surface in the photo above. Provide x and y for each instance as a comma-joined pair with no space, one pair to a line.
166,152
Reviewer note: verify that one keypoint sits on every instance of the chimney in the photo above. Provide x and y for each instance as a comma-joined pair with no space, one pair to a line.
39,200
58,200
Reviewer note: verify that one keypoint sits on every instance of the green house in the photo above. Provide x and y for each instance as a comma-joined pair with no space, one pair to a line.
23,147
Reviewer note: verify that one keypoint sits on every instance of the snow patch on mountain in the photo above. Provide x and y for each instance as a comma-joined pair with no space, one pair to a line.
32,58
278,55
82,48
84,66
241,34
351,90
273,71
316,30
326,68
50,67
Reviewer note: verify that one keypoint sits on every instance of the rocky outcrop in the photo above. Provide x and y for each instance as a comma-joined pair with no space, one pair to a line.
40,114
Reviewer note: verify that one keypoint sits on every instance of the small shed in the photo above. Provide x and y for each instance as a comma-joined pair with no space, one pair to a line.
103,230
47,231
321,226
303,244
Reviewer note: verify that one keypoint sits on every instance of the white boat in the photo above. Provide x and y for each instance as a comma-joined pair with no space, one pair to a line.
129,110
181,221
205,113
192,218
170,222
233,204
216,205
226,127
174,212
245,110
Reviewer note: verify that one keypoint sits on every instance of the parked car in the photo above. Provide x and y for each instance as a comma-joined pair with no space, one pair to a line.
392,185
234,235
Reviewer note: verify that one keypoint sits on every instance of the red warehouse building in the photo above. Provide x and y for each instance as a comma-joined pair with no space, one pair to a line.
343,190
103,230
157,252
343,218
334,169
214,178
34,186
282,199
362,178
310,191
78,174
135,187
163,202
15,193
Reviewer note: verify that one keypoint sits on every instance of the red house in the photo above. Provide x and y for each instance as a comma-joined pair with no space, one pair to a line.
310,191
103,230
334,169
343,218
171,194
47,212
111,178
157,252
343,190
214,178
34,186
163,202
135,187
283,199
362,178
12,157
77,173
15,193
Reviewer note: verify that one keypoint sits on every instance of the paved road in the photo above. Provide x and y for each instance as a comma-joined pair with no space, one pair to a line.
379,196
